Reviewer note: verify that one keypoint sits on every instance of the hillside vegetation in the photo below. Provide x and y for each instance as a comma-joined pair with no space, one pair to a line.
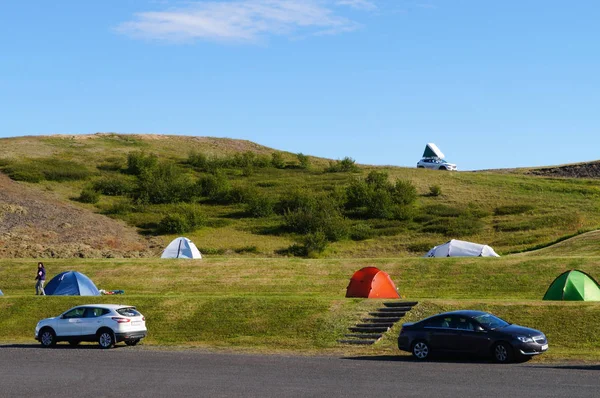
238,198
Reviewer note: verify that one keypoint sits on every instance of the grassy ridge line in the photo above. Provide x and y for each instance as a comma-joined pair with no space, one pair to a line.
506,278
305,325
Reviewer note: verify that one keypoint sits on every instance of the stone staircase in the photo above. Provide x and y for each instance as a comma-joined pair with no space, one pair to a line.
372,328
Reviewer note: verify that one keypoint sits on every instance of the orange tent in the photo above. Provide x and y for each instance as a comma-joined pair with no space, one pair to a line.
371,282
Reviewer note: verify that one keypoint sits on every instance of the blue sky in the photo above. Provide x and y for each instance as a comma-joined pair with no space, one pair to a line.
493,83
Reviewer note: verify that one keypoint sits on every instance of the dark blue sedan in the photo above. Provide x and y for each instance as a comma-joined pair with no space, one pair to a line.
471,332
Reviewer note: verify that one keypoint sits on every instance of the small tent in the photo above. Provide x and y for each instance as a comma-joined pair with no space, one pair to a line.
371,282
181,248
71,283
432,151
461,248
573,285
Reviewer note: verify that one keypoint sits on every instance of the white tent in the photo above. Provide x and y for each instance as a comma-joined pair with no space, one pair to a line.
460,248
432,151
181,248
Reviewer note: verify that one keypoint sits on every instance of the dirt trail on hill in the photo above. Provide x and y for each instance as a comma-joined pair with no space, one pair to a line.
34,224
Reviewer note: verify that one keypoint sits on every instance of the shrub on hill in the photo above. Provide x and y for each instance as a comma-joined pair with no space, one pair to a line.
277,160
89,195
138,162
310,215
304,161
163,183
435,190
259,205
181,219
345,165
377,197
215,187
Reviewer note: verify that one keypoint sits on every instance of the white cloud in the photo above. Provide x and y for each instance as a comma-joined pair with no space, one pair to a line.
358,4
242,20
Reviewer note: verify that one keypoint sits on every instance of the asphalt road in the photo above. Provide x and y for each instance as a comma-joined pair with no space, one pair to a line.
29,370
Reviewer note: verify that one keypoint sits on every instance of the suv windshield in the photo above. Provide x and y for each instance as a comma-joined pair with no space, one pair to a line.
491,322
129,311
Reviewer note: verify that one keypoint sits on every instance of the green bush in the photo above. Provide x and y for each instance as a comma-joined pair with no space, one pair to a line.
361,231
198,160
435,190
173,224
345,165
404,192
214,187
89,195
139,162
303,160
163,183
315,243
259,205
277,160
321,214
182,219
114,185
296,199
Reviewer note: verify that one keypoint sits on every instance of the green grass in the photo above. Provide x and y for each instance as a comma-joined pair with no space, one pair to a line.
294,305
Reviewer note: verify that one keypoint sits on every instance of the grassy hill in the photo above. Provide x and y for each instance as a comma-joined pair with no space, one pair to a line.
510,210
279,305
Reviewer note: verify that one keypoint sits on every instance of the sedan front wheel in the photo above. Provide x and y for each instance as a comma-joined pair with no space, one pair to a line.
421,350
503,352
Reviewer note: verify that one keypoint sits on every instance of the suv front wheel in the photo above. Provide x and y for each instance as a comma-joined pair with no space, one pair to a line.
106,339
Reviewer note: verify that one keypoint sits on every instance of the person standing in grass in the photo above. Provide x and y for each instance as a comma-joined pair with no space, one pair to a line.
40,279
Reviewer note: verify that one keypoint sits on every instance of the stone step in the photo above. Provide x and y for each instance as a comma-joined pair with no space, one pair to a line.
394,309
391,320
388,314
364,336
357,342
368,329
401,303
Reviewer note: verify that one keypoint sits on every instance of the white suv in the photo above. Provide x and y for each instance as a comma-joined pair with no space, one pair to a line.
435,164
107,324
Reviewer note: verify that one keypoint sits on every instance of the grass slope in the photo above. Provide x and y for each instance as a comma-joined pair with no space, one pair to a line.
298,305
509,210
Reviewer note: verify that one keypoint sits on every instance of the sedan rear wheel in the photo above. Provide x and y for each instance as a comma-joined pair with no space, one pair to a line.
106,339
503,352
47,338
421,350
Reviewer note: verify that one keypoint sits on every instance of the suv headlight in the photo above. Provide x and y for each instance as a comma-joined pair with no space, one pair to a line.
525,339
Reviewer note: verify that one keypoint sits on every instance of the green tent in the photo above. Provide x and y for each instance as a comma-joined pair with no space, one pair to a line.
573,285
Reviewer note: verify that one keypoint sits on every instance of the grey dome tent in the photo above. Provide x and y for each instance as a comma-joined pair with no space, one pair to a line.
461,248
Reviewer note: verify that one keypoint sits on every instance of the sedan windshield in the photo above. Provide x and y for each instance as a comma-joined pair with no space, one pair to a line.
491,322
